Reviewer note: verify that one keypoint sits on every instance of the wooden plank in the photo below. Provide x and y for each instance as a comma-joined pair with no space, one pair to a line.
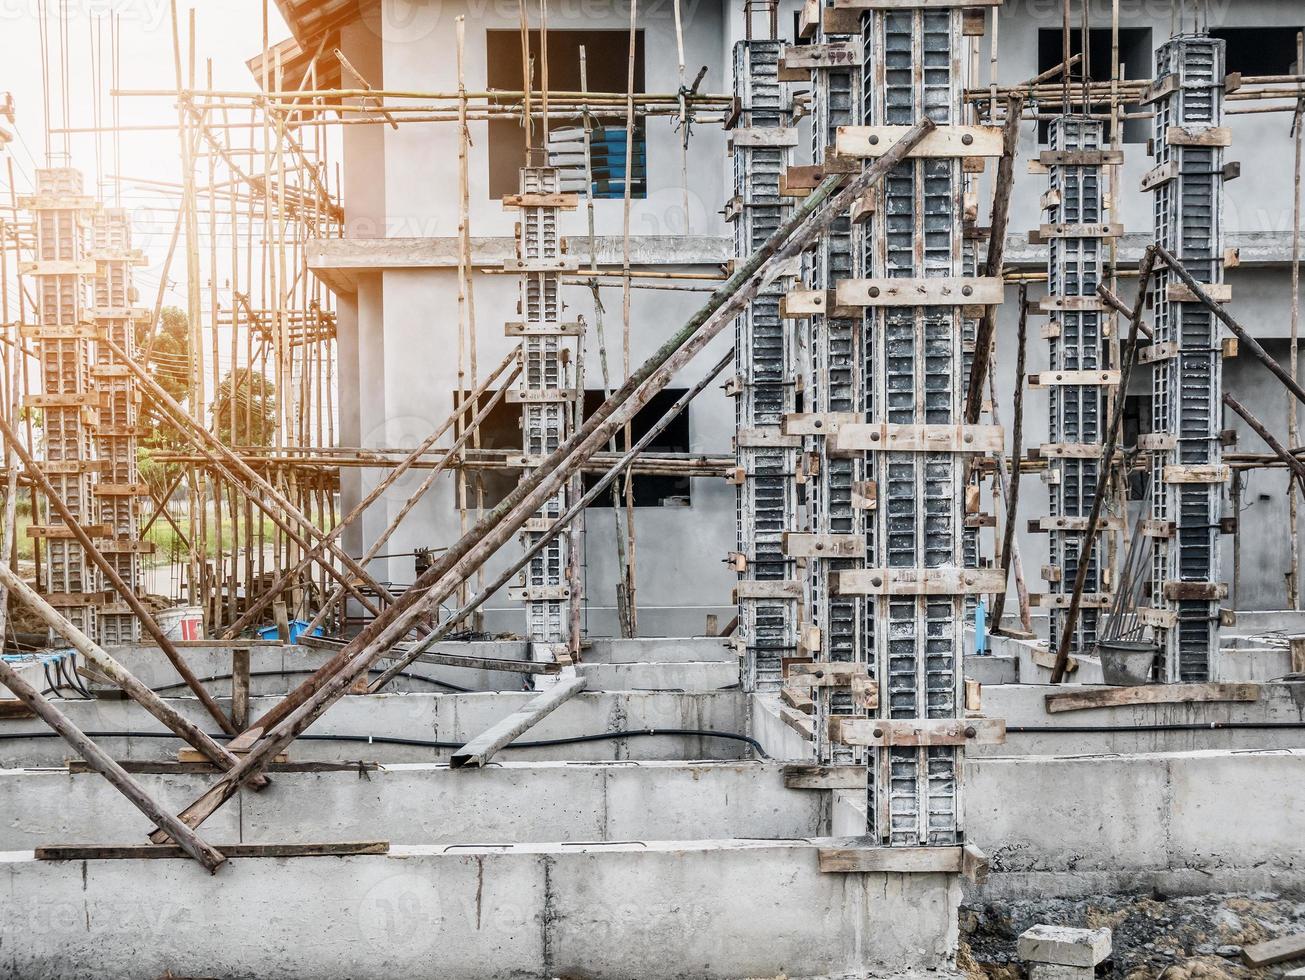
831,54
1080,158
167,767
870,142
940,291
549,329
11,709
1198,473
1162,351
1278,950
481,749
798,700
1070,450
1109,230
1058,600
797,721
118,852
913,4
1043,657
1206,591
1152,442
568,202
894,437
801,544
818,423
766,438
813,775
1159,176
764,136
1177,292
860,859
1078,524
1046,379
918,581
1160,618
1198,136
1073,304
778,589
918,732
1114,697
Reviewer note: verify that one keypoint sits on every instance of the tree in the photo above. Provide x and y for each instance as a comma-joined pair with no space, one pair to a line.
253,398
170,364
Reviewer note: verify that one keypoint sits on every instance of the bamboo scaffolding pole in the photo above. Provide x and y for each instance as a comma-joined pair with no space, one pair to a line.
315,552
1107,453
629,571
1293,408
427,482
260,492
311,699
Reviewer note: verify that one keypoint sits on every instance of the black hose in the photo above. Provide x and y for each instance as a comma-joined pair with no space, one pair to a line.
1166,727
287,673
434,743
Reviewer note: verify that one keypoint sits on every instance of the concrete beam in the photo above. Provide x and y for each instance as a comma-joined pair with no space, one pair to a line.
338,261
700,909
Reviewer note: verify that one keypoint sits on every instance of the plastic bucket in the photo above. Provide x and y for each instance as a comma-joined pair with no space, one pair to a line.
182,622
1126,663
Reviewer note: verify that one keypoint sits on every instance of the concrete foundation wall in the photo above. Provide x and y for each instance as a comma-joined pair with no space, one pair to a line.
684,910
507,803
445,718
1180,823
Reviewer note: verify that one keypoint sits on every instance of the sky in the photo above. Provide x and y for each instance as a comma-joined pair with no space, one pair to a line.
227,31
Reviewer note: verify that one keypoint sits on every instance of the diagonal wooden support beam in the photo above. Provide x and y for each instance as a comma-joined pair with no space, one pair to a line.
481,749
125,591
311,699
107,665
419,650
1223,316
427,482
100,761
226,461
384,484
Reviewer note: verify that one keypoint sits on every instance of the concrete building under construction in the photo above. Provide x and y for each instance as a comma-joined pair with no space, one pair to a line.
659,490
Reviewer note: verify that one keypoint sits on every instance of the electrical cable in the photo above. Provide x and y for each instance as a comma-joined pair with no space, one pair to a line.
288,673
438,744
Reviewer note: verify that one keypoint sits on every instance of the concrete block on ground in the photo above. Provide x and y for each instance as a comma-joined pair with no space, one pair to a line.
1064,946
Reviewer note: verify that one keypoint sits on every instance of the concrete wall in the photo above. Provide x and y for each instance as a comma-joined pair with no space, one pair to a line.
443,718
684,910
507,803
1180,823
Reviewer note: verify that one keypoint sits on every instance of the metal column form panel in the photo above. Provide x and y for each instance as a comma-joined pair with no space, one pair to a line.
119,488
1187,389
913,370
1076,412
546,390
63,334
766,370
834,385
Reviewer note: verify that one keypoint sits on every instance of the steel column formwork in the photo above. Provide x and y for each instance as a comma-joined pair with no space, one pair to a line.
1187,474
546,391
890,566
1076,379
914,371
834,388
765,376
119,488
68,402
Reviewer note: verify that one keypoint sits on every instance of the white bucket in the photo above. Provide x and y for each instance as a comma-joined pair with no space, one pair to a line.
182,622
